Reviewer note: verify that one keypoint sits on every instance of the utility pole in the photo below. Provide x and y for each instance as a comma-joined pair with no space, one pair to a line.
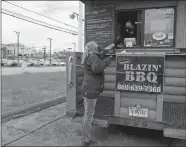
50,48
23,50
33,50
44,50
17,46
14,50
80,28
74,46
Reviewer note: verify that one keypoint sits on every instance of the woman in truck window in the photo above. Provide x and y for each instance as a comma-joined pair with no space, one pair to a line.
126,31
93,83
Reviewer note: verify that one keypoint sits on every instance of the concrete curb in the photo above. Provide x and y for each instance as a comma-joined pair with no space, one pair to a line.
33,108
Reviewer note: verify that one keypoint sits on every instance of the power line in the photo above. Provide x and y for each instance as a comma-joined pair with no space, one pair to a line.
38,23
24,16
7,12
41,14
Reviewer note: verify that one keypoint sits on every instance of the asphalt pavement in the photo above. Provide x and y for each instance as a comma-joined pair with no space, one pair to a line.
19,70
51,127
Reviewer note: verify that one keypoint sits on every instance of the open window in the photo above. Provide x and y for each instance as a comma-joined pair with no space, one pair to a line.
151,27
136,20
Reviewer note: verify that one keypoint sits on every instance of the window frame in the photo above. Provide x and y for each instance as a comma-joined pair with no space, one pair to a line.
143,27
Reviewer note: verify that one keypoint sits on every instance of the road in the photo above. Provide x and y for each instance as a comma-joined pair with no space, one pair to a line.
19,70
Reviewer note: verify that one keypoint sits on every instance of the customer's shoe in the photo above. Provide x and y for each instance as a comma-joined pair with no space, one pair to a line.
93,142
88,144
85,144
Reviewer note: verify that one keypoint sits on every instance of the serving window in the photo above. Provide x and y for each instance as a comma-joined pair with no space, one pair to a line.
145,28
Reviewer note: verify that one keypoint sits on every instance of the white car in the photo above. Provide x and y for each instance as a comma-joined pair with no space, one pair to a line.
62,63
21,62
9,62
57,63
4,62
24,64
54,62
34,63
47,63
41,62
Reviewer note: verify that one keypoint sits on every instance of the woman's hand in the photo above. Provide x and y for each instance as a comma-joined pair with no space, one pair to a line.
110,47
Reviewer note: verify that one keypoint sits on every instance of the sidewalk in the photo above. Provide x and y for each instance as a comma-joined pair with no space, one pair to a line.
16,129
51,127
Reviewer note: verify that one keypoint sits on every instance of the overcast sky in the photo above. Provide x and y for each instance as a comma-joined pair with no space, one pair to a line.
35,35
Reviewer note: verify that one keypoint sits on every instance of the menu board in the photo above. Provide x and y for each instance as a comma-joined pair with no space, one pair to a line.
100,25
159,27
140,73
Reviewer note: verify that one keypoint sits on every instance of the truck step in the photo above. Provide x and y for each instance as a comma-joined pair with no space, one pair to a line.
174,133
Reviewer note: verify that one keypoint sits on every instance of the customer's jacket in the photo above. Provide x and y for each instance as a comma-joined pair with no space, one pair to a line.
93,82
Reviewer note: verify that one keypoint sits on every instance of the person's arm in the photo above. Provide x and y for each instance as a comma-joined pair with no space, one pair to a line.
97,64
107,49
121,37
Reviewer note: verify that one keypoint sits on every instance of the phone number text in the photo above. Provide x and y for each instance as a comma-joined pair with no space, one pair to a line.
145,88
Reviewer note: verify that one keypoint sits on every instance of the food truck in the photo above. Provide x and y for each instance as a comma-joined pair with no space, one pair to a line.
145,85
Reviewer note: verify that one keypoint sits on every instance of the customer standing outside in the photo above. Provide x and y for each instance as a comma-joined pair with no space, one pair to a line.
94,64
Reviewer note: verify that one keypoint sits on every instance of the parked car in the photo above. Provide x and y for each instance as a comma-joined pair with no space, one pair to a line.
2,64
62,63
4,60
41,61
34,62
9,62
47,63
21,62
14,63
30,63
55,63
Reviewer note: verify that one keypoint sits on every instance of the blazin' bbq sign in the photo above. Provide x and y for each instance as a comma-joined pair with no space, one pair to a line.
140,73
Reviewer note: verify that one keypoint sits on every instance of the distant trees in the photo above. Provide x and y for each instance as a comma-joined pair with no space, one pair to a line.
61,54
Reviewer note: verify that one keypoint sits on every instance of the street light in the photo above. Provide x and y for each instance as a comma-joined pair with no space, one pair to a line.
17,46
74,46
50,48
44,51
23,50
73,15
80,25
